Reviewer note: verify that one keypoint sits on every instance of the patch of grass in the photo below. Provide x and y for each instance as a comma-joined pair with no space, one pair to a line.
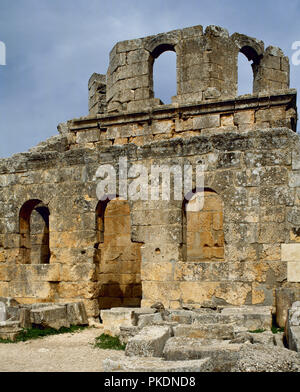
257,331
275,329
109,342
35,333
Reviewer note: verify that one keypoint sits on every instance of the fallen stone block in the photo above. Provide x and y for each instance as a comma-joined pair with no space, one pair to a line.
137,364
113,319
242,337
9,330
264,358
266,338
9,324
149,319
51,316
294,314
294,338
228,357
13,312
140,312
25,319
76,313
285,297
127,333
223,354
181,316
250,317
278,339
149,342
215,318
293,327
208,331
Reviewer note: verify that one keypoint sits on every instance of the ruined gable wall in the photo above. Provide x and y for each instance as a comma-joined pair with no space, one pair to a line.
252,162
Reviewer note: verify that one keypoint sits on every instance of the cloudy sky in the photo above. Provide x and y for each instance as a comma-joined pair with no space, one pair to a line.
53,46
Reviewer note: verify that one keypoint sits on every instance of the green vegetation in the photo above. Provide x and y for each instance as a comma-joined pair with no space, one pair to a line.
109,342
275,329
258,331
35,333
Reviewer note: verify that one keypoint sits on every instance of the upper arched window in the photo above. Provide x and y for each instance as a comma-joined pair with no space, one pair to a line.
164,81
248,62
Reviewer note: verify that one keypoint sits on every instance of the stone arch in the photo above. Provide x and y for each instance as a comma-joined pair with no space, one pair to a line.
253,50
253,56
119,258
34,232
156,49
203,226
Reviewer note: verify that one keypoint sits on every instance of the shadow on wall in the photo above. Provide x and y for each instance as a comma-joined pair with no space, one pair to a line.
112,294
118,258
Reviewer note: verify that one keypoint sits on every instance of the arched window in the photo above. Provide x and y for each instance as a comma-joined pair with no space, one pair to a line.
204,227
34,232
164,73
248,62
119,258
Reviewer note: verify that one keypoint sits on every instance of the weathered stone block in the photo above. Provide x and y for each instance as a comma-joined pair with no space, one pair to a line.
205,331
149,342
76,313
266,338
114,318
294,338
293,271
54,316
290,252
254,317
25,319
222,354
138,364
285,297
181,316
210,121
145,320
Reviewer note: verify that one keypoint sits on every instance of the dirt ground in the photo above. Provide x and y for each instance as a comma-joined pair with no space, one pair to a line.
70,352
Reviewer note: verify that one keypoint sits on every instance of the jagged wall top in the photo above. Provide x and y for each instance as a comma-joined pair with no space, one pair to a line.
206,68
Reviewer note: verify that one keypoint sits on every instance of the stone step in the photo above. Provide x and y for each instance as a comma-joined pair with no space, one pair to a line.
138,364
216,318
229,357
207,331
250,317
223,354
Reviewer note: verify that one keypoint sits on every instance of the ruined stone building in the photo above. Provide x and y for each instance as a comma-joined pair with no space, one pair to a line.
59,242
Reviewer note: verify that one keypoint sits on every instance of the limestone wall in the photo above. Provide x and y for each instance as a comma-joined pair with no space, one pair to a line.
255,173
241,247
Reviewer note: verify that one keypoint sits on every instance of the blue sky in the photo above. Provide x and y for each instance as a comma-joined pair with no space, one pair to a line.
53,46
